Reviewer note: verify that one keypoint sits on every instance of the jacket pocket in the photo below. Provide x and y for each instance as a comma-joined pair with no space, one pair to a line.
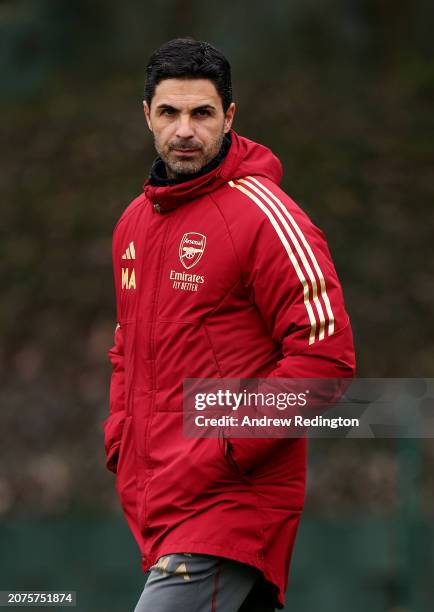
228,452
188,473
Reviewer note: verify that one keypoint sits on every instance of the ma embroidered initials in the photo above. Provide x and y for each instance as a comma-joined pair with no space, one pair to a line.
128,278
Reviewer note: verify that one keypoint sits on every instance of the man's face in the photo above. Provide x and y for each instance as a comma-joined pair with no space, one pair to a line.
188,122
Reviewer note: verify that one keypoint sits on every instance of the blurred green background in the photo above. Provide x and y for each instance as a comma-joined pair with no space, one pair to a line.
343,92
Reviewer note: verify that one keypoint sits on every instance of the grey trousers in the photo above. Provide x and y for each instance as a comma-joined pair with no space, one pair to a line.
184,582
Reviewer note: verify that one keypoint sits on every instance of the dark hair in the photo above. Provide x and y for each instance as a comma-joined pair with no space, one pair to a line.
186,58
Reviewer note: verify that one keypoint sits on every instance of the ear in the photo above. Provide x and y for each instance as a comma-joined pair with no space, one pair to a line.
229,117
147,112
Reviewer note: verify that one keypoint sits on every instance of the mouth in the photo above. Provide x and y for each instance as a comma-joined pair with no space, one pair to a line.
185,152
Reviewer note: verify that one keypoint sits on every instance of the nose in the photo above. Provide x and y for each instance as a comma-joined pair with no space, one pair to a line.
184,128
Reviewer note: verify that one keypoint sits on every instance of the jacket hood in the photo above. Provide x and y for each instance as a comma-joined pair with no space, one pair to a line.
244,158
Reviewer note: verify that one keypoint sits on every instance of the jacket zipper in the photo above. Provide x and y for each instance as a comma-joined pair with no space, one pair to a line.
152,361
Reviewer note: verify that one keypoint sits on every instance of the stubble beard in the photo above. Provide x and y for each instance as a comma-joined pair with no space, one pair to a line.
180,167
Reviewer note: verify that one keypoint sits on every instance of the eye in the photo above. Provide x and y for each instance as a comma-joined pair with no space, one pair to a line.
202,112
168,111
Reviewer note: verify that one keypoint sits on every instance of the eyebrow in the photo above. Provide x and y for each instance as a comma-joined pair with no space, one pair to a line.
196,108
205,107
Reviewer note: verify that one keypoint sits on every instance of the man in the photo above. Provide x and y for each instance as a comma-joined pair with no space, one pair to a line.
218,273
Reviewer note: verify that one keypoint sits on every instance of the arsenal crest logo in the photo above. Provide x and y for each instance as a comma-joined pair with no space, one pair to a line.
191,249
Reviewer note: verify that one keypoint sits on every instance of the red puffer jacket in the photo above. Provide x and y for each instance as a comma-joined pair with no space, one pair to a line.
220,276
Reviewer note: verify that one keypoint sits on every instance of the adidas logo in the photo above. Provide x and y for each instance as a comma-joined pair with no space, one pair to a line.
130,253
